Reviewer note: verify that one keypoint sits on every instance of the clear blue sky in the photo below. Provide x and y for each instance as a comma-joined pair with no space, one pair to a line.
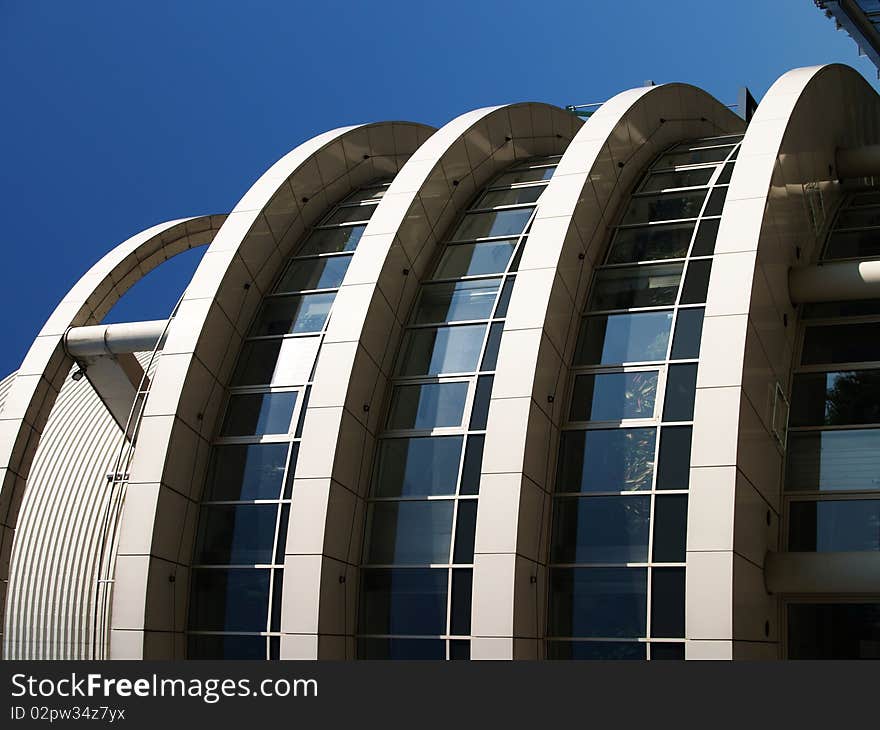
119,115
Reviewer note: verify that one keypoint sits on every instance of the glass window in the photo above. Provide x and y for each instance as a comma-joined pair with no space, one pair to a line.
840,525
435,350
465,532
504,299
667,602
456,301
666,650
459,649
510,222
475,259
480,409
326,272
473,463
460,610
642,286
417,467
704,242
606,460
493,345
833,460
670,528
609,602
405,649
674,464
225,646
841,343
651,243
834,631
681,389
369,193
716,201
657,181
410,533
863,217
350,214
286,361
403,601
688,331
592,650
696,282
523,176
693,157
428,405
620,338
293,315
512,196
614,396
254,414
836,399
853,244
726,174
601,529
664,207
332,240
246,472
236,534
229,599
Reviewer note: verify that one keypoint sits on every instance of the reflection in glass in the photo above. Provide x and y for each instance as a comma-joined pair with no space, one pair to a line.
253,414
841,343
650,243
279,361
704,242
693,157
414,467
435,350
246,472
664,207
656,181
350,214
522,176
332,240
833,460
403,601
410,532
601,529
681,389
475,259
427,405
839,398
606,460
609,602
456,301
643,286
510,222
229,599
622,338
322,273
614,396
236,534
839,525
512,196
293,315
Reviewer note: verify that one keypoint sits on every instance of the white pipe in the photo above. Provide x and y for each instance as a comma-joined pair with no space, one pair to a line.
834,282
114,339
858,161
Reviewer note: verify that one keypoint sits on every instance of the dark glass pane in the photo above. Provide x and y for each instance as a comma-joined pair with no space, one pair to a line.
350,214
716,201
836,399
410,533
417,467
233,599
834,631
510,197
475,259
227,646
322,273
412,649
253,414
704,243
670,528
277,593
504,299
642,286
688,331
435,350
290,315
692,157
606,460
403,601
674,464
667,602
274,648
522,176
459,649
373,192
480,410
465,532
726,173
426,406
278,361
664,207
473,463
666,651
651,243
291,471
833,460
332,240
460,613
620,338
657,181
237,534
696,282
614,396
281,543
256,364
681,389
853,244
456,301
246,472
595,650
856,308
493,344
841,343
601,530
847,525
607,602
497,223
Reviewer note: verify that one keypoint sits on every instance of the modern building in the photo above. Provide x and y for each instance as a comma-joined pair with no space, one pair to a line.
861,20
525,386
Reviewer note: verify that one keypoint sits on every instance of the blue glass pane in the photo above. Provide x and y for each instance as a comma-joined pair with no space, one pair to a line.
833,460
614,396
252,414
404,533
456,301
688,332
401,649
427,406
418,466
601,602
622,338
403,601
670,528
475,259
237,534
229,599
595,650
460,612
601,530
606,460
246,472
291,315
667,602
432,351
332,240
681,389
321,273
497,223
674,464
228,646
851,525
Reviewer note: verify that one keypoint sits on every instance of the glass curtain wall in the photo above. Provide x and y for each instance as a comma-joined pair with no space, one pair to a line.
832,478
619,525
237,573
415,597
